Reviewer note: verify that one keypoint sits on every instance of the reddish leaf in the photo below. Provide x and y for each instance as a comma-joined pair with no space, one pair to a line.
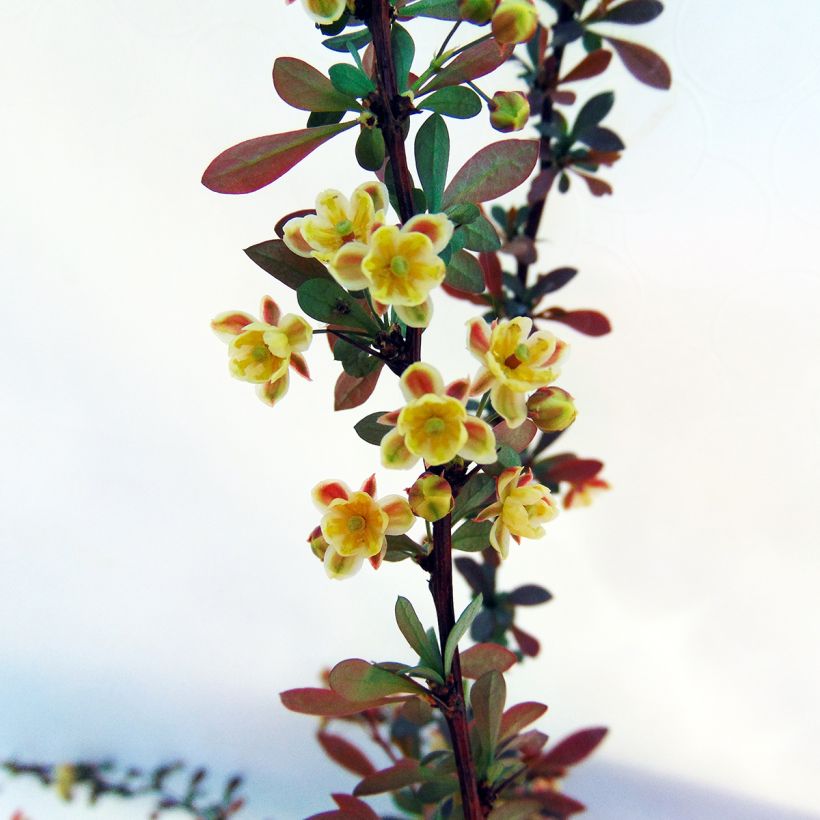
369,61
475,298
541,185
302,86
529,595
527,643
517,438
353,391
326,703
471,64
552,281
562,97
633,12
357,680
277,259
343,752
404,773
491,265
279,227
522,248
252,164
591,66
492,172
597,187
336,814
642,63
516,809
558,804
575,748
603,157
519,716
576,470
486,657
358,809
590,322
528,743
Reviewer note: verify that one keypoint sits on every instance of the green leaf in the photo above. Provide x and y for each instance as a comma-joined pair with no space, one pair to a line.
369,430
405,773
592,112
472,495
454,101
432,151
318,118
277,259
356,38
507,457
471,64
326,301
634,12
302,86
472,536
480,235
356,362
353,391
486,657
424,672
487,698
464,213
357,680
404,49
252,164
464,273
348,79
414,633
493,172
459,630
436,9
591,41
370,149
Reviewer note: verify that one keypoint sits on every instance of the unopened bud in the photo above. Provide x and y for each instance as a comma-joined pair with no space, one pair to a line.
431,497
476,11
552,409
514,21
317,542
509,111
65,776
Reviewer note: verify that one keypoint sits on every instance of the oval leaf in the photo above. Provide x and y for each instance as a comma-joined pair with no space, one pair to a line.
479,235
518,438
252,164
326,703
435,9
552,281
369,429
464,273
472,536
404,773
519,716
353,391
343,752
486,657
413,631
591,66
351,80
592,112
471,64
634,12
473,494
275,258
459,630
643,64
453,101
304,87
493,172
487,699
326,301
357,680
432,152
529,595
590,322
575,748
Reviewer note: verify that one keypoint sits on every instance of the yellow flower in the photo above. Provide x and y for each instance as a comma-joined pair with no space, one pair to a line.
434,423
522,506
260,352
324,12
431,497
337,221
515,363
355,525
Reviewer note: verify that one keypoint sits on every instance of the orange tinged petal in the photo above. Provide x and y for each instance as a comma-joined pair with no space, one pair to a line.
369,486
398,511
269,311
480,446
437,227
271,391
230,324
326,492
299,364
394,452
420,379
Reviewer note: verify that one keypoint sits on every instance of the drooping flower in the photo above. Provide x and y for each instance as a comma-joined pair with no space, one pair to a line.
260,351
514,363
431,496
324,12
337,221
522,506
355,525
434,424
399,266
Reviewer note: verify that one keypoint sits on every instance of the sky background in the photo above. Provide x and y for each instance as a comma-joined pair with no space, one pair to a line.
156,592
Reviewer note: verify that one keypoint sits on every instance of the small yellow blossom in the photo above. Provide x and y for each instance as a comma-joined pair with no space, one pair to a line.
514,363
514,21
434,424
260,351
355,525
324,12
337,222
522,506
431,497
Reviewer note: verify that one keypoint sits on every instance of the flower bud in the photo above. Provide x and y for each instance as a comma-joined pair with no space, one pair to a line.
317,542
509,111
325,12
431,497
476,11
65,776
552,409
514,21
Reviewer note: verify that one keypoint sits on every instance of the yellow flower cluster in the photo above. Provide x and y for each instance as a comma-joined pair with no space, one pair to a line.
260,351
399,266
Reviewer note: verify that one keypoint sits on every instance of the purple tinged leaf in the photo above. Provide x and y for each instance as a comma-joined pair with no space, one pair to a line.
304,87
643,63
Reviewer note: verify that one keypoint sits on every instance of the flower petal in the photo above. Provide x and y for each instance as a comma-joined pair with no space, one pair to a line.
271,391
416,315
346,266
493,511
480,446
482,382
325,492
362,214
269,311
340,566
478,338
399,512
437,227
390,419
420,379
459,389
299,364
230,324
293,239
499,538
369,486
378,193
507,479
394,453
297,330
509,404
376,560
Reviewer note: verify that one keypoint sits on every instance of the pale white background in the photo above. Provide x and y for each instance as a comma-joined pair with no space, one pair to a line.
155,589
